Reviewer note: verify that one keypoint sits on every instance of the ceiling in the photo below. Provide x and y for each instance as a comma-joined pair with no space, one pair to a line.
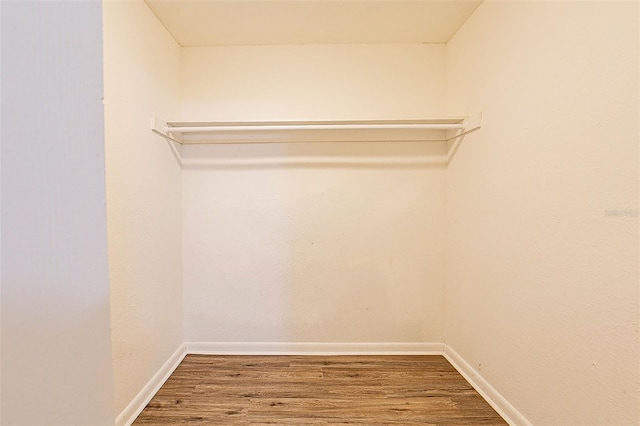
259,22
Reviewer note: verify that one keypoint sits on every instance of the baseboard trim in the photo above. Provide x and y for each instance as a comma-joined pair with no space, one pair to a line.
314,348
499,403
135,407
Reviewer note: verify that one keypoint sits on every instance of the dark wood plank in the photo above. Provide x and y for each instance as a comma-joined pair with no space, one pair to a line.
317,390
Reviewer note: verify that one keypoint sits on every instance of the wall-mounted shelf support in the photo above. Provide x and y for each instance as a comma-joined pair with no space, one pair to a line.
424,130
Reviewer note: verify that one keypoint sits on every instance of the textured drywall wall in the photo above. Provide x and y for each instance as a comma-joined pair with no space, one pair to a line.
335,242
142,77
56,344
313,82
542,208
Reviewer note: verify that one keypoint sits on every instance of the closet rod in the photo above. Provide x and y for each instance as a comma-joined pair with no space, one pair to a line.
399,126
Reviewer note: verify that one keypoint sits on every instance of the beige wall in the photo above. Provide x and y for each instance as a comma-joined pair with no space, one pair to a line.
142,77
533,227
313,242
56,345
542,206
313,82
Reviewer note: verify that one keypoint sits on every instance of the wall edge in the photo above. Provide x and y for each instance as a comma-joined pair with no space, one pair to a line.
498,402
135,407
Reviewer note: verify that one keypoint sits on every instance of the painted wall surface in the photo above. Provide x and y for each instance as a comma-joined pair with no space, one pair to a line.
329,242
142,77
542,208
56,344
313,82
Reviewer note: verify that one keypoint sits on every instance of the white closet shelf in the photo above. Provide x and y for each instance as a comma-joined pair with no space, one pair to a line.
416,130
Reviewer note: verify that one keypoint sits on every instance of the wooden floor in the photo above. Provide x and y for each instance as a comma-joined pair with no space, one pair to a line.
315,390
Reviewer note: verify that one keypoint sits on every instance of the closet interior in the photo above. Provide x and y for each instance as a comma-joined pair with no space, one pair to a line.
457,178
370,176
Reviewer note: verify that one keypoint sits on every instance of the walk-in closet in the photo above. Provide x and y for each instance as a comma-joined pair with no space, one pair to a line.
448,189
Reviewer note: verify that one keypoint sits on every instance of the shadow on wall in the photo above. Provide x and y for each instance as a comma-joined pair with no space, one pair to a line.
316,154
73,340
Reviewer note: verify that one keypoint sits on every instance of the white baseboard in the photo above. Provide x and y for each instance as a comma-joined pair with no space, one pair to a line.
488,392
135,407
499,403
314,348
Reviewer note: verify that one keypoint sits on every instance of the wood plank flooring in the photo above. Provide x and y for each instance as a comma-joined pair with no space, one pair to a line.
317,390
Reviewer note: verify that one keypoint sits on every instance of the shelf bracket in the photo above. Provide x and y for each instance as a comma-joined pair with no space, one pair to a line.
470,124
159,126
